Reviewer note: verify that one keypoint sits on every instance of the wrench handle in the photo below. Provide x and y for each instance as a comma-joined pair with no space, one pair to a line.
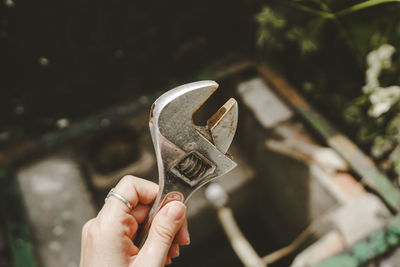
158,204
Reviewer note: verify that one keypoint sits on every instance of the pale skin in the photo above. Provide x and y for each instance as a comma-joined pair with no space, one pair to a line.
107,239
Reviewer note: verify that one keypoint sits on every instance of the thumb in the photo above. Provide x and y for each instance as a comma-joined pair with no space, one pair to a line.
165,225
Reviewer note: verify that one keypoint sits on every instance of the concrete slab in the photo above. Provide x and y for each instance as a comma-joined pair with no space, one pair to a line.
360,217
268,109
391,260
328,245
58,204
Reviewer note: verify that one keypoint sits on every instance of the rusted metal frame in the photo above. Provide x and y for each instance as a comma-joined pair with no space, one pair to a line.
376,244
359,162
16,154
29,147
232,69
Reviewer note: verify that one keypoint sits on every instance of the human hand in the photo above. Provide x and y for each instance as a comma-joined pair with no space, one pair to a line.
107,239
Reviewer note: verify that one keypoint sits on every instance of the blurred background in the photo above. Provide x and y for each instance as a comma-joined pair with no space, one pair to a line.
318,144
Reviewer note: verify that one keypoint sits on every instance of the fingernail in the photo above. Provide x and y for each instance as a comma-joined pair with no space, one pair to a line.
187,240
187,236
176,210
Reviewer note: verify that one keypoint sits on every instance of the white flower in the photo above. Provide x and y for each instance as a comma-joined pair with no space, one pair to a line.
377,60
382,99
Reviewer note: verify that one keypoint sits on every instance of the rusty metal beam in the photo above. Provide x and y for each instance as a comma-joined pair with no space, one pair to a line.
359,162
16,154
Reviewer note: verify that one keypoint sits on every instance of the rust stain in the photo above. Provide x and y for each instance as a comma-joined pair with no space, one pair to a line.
190,47
348,185
174,196
214,120
151,113
283,87
233,69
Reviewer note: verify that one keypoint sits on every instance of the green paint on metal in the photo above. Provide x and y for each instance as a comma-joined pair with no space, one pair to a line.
21,248
70,133
396,163
203,74
2,173
392,239
385,189
376,244
359,162
316,122
320,127
91,126
394,226
342,260
361,251
15,222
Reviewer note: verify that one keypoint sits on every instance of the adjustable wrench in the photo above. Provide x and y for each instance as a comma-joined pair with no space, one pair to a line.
188,156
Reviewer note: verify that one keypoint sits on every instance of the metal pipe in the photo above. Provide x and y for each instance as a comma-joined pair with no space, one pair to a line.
283,252
239,243
241,246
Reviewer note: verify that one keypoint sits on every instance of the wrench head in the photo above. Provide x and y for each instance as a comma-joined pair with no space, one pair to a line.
191,153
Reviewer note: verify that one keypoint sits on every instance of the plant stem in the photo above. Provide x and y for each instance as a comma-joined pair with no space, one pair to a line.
329,15
343,32
362,5
322,14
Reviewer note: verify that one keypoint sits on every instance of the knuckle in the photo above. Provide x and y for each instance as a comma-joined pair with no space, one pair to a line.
131,226
164,232
87,229
127,179
127,226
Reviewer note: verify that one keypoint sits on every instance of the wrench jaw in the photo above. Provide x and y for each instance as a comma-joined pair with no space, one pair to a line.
181,102
222,125
190,153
